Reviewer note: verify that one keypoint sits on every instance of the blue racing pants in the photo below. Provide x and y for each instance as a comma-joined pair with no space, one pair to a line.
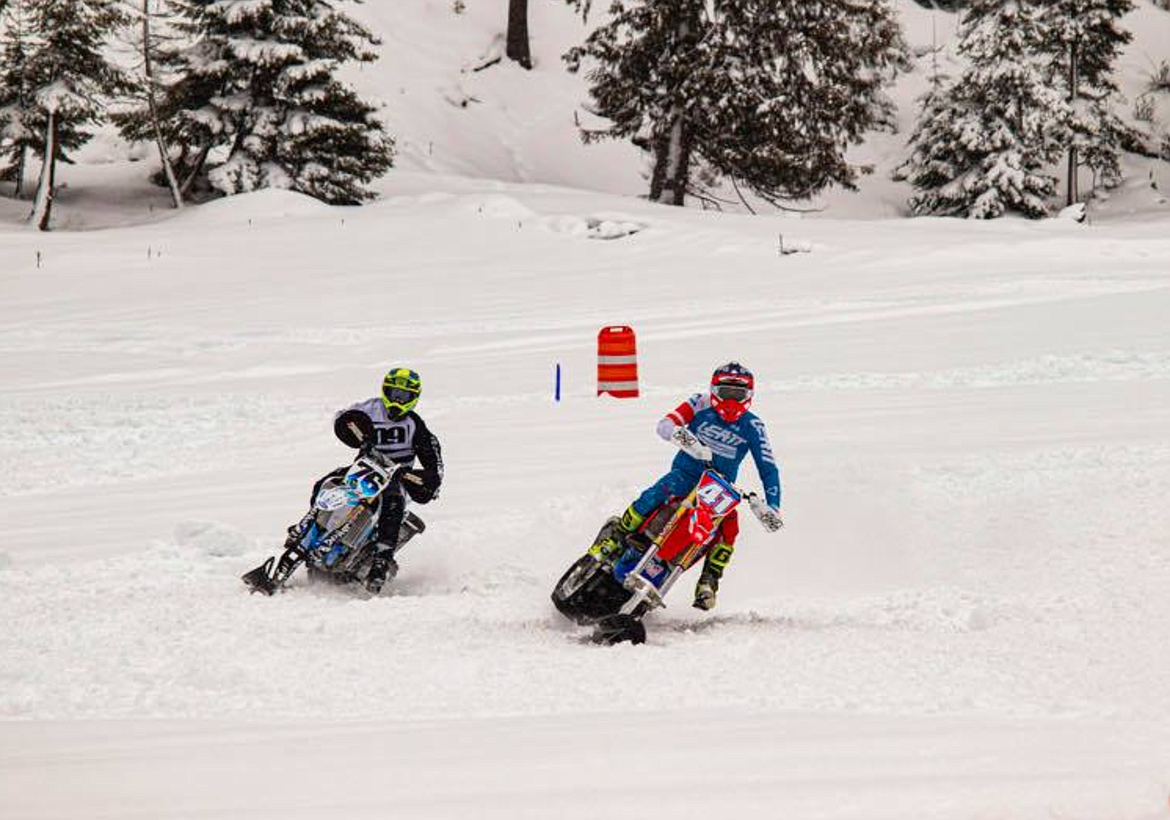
675,483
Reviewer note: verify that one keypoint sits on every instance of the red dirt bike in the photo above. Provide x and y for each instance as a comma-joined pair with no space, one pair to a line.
615,594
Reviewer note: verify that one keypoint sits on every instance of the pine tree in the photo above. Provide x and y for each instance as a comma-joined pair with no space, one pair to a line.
149,118
259,83
931,112
69,80
983,146
647,71
1082,39
19,135
761,92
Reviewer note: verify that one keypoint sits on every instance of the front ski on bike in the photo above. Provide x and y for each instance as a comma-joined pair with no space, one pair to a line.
270,577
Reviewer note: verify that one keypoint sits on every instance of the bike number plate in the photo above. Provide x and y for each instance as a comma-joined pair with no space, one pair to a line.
366,478
717,495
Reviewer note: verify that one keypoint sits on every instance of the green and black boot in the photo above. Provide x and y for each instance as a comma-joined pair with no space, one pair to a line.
707,588
609,539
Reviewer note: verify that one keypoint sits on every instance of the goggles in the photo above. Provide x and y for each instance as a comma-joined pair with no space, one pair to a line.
399,395
731,392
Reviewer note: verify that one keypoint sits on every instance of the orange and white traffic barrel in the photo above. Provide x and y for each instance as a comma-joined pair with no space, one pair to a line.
617,362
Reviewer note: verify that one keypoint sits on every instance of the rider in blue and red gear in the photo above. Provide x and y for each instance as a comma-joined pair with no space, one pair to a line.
713,428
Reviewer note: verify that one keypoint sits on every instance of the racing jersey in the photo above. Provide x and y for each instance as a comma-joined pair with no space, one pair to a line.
402,439
729,442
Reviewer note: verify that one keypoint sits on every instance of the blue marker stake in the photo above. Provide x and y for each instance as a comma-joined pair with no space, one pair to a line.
557,393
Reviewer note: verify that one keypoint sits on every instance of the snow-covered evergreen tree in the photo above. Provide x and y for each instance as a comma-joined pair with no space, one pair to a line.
260,85
983,147
646,59
149,119
769,94
69,82
19,135
930,111
1082,39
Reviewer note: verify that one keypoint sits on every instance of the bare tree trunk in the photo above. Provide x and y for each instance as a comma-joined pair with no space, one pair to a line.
196,169
148,69
658,175
42,212
1073,91
21,162
672,152
518,33
672,162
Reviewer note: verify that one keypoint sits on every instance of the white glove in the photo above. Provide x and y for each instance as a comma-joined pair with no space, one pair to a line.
689,444
767,515
666,429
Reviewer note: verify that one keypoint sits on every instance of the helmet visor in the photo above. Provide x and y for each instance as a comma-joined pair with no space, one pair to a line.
731,392
399,395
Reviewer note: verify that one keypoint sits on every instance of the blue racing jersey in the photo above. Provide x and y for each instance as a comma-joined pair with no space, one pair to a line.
730,442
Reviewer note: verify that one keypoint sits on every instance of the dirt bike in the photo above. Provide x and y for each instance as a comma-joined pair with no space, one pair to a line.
334,539
614,594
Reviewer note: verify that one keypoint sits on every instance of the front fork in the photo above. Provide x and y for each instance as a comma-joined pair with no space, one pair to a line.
645,596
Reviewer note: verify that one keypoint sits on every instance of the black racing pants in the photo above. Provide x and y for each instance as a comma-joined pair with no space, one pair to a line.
391,507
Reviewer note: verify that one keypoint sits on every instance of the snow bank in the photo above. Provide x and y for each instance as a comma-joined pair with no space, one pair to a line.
267,204
212,539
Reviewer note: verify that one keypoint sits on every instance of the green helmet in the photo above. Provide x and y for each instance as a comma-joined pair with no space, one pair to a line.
400,391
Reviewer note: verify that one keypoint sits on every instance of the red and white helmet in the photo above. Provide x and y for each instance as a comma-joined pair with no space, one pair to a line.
732,386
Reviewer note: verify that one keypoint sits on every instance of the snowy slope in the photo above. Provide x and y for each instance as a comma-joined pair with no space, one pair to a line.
965,618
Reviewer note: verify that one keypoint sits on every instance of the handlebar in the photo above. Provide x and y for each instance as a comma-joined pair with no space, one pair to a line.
685,440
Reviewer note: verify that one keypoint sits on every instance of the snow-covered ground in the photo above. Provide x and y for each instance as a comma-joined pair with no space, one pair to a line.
966,616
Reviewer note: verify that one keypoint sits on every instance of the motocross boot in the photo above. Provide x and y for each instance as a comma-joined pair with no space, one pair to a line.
706,591
383,567
611,535
707,588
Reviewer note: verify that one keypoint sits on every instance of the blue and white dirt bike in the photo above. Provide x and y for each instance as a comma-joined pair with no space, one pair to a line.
334,538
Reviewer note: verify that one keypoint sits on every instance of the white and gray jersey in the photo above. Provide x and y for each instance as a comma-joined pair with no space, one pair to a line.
402,439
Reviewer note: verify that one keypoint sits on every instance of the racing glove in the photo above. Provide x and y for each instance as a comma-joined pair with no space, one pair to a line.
686,441
422,485
767,515
354,428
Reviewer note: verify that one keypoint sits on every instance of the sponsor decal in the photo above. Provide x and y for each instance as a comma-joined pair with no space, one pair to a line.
712,433
765,445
